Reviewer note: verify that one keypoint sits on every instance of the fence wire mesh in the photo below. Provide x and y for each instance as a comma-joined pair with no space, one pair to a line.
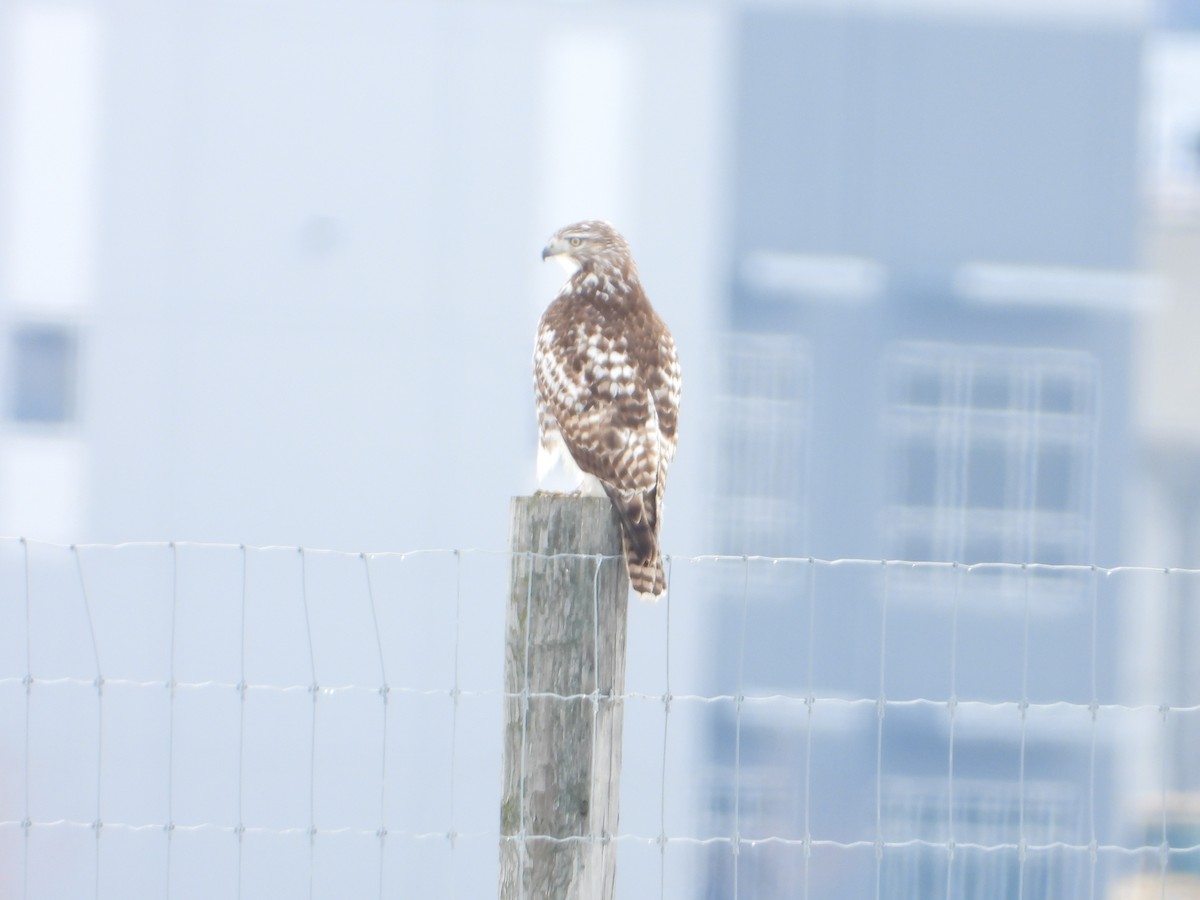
192,720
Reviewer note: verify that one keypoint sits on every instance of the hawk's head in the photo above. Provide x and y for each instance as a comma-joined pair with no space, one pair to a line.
588,245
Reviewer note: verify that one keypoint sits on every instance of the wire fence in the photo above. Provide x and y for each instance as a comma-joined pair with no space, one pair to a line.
195,720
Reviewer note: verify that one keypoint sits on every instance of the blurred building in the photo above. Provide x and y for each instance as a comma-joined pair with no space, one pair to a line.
936,263
271,276
1163,662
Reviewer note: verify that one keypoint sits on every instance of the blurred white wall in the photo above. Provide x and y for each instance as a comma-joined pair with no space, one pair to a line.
51,87
298,248
308,238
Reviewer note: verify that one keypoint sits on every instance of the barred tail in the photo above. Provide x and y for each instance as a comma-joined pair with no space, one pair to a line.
645,565
638,512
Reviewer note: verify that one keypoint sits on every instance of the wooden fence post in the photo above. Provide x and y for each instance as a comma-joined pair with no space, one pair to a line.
564,675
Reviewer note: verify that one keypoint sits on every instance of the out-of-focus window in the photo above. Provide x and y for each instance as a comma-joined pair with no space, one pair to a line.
992,456
42,373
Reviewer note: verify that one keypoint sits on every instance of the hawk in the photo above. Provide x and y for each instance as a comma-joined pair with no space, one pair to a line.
607,381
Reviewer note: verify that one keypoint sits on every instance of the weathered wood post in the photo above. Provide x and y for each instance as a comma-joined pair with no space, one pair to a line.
564,675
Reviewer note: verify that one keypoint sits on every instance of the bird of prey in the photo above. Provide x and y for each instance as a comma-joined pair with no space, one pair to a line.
607,382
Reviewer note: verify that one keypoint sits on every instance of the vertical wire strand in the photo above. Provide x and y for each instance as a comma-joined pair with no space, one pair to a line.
596,676
98,824
1093,708
662,783
1031,434
880,711
1022,839
384,690
170,826
1032,381
241,689
810,702
27,822
964,421
522,845
315,690
455,694
952,708
737,728
1164,848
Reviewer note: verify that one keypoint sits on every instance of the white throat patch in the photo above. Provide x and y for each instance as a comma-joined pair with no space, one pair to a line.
567,262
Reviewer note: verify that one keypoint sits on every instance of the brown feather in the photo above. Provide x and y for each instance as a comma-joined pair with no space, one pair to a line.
607,380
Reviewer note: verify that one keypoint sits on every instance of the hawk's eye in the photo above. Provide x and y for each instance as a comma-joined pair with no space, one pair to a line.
575,242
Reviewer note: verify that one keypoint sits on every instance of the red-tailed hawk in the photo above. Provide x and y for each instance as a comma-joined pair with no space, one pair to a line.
607,382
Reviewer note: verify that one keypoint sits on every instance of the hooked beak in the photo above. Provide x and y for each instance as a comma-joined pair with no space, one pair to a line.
554,248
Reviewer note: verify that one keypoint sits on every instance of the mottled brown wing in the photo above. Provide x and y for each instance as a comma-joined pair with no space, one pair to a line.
665,384
589,384
664,381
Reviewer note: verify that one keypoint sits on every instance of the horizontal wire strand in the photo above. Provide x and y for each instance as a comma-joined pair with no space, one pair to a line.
740,559
645,839
871,703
